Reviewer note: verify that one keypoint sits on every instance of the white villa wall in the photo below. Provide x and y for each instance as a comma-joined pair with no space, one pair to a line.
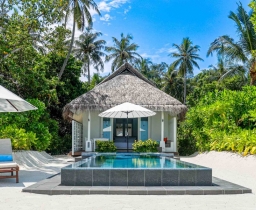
166,126
85,124
155,127
95,124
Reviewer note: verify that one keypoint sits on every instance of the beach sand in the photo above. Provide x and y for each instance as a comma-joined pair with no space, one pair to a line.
37,166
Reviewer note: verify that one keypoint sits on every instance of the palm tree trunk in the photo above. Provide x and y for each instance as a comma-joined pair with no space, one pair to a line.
185,88
89,75
69,51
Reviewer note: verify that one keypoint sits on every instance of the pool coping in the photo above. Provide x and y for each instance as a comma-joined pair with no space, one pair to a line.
52,186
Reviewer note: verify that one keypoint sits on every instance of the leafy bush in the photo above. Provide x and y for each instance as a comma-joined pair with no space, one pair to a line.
105,146
21,140
145,146
187,142
30,130
223,120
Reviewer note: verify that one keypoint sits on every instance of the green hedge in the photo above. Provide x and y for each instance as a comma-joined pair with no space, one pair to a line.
145,146
105,146
222,121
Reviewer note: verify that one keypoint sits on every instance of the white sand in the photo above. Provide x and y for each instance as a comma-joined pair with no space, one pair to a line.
38,166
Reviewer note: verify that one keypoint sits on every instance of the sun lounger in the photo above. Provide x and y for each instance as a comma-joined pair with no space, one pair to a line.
7,165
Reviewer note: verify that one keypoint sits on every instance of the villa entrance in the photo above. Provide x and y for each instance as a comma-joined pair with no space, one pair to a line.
137,130
120,132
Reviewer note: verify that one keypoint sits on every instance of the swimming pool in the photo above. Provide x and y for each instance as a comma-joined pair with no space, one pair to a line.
128,169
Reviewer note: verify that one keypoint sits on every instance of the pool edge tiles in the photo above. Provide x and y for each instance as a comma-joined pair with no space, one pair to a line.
73,175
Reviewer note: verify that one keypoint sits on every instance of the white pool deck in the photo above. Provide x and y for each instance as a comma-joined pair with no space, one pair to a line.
36,167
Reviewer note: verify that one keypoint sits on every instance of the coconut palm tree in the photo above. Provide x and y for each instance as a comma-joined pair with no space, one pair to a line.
143,66
122,51
226,68
157,72
186,59
89,50
172,84
81,16
240,51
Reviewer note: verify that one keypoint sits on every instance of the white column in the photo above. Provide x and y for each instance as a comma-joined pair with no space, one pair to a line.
174,134
139,126
112,129
73,137
162,143
149,127
89,126
101,127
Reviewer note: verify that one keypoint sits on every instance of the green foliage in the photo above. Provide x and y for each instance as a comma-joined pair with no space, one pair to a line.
223,120
187,143
145,146
30,128
122,51
89,50
21,140
105,146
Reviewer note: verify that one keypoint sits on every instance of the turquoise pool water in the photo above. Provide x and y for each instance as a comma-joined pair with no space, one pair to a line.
135,161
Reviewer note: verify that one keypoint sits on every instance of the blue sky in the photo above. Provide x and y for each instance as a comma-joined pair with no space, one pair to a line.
156,25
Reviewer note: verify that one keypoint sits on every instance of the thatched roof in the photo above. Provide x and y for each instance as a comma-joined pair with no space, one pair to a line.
125,85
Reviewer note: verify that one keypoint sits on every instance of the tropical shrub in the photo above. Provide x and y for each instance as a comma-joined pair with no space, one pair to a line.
21,140
105,146
28,130
187,143
223,120
145,146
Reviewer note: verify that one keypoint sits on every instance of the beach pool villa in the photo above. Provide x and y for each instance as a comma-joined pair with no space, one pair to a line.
128,169
126,84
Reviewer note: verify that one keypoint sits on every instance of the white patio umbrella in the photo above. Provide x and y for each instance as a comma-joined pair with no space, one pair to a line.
9,102
127,110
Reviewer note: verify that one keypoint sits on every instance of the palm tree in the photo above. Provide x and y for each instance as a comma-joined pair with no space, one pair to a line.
143,66
96,79
81,15
186,59
157,72
89,50
240,51
122,51
226,68
172,84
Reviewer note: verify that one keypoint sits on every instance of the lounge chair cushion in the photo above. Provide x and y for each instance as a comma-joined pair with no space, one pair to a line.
9,164
4,158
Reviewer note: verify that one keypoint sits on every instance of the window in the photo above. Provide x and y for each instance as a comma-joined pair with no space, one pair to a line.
121,127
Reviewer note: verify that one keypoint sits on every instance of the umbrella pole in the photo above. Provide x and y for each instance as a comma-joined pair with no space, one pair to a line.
127,136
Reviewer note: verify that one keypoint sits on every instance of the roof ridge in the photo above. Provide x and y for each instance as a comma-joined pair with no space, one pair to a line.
130,68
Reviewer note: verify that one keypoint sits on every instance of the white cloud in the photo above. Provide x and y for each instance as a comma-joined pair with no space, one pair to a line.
107,6
166,50
172,50
117,3
127,10
104,7
152,56
106,17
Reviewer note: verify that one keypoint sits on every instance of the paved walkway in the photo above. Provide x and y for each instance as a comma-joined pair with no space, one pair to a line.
52,186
